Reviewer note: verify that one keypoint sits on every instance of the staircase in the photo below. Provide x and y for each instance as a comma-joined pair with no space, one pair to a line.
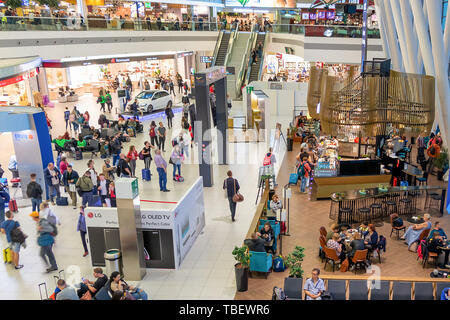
254,69
223,49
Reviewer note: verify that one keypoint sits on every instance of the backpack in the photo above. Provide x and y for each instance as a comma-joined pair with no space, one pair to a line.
301,170
186,125
267,160
17,235
398,222
278,294
174,142
419,249
119,168
278,264
152,132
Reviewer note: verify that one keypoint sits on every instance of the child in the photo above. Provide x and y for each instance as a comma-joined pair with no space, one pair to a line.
363,227
81,227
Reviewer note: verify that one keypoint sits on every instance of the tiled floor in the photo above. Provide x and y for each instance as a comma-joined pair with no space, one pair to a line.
206,273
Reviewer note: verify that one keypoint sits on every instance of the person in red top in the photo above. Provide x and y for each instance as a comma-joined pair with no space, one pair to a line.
303,173
153,137
63,165
112,194
132,156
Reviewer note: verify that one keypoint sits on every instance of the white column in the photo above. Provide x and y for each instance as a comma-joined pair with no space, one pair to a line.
382,27
410,36
392,35
447,33
440,58
395,9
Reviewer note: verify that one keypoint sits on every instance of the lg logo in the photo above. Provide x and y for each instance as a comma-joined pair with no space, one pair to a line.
92,215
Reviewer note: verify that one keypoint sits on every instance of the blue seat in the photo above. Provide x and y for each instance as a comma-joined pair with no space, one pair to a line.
260,262
276,228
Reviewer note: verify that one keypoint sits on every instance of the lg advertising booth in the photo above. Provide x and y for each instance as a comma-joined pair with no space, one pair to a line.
166,235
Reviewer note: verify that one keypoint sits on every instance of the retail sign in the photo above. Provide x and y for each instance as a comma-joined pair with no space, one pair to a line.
184,54
151,219
243,2
249,89
23,137
117,60
279,56
276,86
206,59
23,76
127,188
148,5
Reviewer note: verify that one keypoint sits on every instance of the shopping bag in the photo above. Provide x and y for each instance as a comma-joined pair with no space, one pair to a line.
108,202
72,188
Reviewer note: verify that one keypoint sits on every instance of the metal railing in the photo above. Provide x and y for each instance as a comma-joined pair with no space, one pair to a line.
233,37
216,48
244,63
16,23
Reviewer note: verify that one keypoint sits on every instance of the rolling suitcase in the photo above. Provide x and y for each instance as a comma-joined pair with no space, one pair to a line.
62,201
146,176
7,255
45,290
293,178
12,205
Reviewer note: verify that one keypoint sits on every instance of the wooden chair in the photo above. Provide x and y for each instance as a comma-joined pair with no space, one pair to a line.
396,229
330,255
323,231
359,259
427,254
323,244
424,234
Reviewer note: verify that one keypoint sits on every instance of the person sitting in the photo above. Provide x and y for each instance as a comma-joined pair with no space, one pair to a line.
275,205
65,293
364,227
255,244
413,233
117,283
356,244
334,229
132,125
81,143
371,238
314,286
334,243
434,245
268,235
436,230
93,287
121,124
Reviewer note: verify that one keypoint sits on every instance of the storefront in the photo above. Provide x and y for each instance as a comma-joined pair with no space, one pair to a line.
89,74
19,81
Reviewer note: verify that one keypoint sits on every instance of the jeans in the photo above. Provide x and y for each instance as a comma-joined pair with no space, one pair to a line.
186,151
175,167
147,162
116,158
52,190
162,141
95,190
154,141
169,122
162,179
303,184
2,213
85,197
83,240
47,251
139,294
133,167
232,207
67,124
35,203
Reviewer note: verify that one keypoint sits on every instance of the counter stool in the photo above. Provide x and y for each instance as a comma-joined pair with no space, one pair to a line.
435,201
364,214
405,206
428,198
377,211
423,181
390,207
345,216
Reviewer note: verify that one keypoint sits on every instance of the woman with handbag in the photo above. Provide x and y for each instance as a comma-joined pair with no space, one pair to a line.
132,293
233,195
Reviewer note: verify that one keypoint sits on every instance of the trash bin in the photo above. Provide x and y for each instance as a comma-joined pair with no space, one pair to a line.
113,261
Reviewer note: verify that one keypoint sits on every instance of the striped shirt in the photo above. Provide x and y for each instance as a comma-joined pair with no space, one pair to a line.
334,245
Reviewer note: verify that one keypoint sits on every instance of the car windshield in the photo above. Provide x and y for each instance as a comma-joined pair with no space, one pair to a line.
145,95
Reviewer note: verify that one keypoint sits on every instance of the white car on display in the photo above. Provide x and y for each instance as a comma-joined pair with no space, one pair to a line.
150,100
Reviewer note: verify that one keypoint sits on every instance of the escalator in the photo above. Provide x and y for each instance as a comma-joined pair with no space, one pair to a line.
222,49
254,70
237,62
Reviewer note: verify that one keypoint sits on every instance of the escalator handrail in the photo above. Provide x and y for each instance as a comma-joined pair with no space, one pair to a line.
216,49
230,44
249,68
261,66
244,62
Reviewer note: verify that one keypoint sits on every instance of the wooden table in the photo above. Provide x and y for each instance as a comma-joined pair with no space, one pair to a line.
412,172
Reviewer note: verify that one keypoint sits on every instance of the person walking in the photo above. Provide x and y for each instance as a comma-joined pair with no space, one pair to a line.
48,214
63,165
149,23
170,115
303,170
52,178
67,118
232,187
34,192
153,137
161,136
179,83
14,244
161,167
70,178
132,156
171,88
123,169
85,187
81,228
176,159
45,239
108,100
94,176
186,104
102,100
134,107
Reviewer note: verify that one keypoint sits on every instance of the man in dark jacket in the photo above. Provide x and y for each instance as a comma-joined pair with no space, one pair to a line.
85,186
70,178
52,178
4,198
34,192
255,244
134,107
232,186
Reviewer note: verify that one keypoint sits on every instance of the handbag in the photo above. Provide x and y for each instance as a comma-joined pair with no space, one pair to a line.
72,188
237,196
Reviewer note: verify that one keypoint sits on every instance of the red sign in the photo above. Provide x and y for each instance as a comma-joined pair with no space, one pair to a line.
24,76
279,56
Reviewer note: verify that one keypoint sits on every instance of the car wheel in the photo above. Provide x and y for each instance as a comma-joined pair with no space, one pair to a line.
169,104
149,108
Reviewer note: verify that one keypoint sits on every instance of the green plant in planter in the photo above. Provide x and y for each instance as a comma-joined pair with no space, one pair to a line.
242,256
441,161
294,262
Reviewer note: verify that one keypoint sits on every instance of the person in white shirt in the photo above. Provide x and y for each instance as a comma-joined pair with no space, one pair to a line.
103,186
13,166
47,213
93,176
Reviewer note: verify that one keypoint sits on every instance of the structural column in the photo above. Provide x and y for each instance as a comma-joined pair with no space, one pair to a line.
393,39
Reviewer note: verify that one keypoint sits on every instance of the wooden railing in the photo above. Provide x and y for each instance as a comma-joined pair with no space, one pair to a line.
259,211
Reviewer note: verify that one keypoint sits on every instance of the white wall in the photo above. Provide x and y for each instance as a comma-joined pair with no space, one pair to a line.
63,44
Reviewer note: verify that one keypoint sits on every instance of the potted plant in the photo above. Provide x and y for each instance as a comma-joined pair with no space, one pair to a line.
242,256
294,263
441,163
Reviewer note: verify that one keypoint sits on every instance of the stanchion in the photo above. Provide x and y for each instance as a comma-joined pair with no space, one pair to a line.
287,196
